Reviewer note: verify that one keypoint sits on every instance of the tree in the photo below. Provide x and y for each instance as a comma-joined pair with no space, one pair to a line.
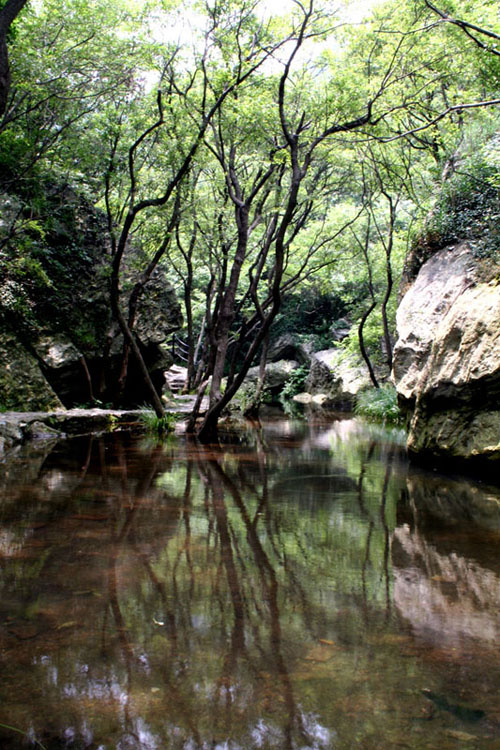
8,14
485,39
197,96
233,177
304,128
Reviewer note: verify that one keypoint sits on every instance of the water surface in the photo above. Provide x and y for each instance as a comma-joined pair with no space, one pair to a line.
299,587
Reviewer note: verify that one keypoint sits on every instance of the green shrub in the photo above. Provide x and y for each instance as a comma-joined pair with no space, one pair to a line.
379,404
247,397
468,207
295,383
309,315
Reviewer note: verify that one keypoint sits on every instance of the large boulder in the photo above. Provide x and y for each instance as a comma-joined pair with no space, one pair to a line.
289,347
447,359
339,375
21,379
277,374
158,313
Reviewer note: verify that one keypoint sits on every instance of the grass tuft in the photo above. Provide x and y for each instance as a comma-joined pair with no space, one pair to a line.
23,733
379,405
155,424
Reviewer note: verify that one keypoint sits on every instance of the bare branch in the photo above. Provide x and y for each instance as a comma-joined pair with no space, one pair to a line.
467,28
438,118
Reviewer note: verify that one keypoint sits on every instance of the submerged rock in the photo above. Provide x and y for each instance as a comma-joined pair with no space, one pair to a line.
447,359
40,431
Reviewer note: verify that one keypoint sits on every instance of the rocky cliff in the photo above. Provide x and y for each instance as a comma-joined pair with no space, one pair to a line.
58,344
447,357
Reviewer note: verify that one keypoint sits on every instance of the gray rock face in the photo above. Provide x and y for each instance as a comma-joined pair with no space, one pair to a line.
277,373
438,285
54,368
11,433
340,329
447,359
21,380
56,351
60,329
158,313
338,375
288,347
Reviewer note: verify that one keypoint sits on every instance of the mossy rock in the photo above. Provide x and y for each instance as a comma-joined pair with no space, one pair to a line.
22,384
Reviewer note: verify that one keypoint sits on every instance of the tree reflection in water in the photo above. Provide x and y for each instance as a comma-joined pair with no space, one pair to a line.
251,595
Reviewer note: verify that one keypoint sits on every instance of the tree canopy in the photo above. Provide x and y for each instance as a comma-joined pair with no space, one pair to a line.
248,154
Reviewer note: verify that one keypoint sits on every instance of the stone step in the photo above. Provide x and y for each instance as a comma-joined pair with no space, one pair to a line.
175,378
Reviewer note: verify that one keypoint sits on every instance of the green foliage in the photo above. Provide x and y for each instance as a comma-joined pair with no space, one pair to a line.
295,383
310,314
156,425
249,396
468,206
293,409
379,404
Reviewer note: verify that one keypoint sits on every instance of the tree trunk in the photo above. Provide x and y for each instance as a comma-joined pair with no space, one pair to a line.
226,315
198,362
7,15
208,430
385,322
388,291
88,379
101,387
190,334
252,410
131,341
196,408
122,378
362,346
4,74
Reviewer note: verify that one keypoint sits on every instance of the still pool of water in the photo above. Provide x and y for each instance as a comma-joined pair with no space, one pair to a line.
298,587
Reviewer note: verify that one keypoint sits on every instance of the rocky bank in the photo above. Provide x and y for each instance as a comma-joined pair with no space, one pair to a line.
447,358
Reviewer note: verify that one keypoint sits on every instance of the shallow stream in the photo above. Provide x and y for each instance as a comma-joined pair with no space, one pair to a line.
299,587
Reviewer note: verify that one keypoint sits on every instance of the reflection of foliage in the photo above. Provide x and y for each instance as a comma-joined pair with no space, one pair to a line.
229,572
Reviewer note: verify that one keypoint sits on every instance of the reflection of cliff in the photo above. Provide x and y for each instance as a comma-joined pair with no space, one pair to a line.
453,501
448,597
